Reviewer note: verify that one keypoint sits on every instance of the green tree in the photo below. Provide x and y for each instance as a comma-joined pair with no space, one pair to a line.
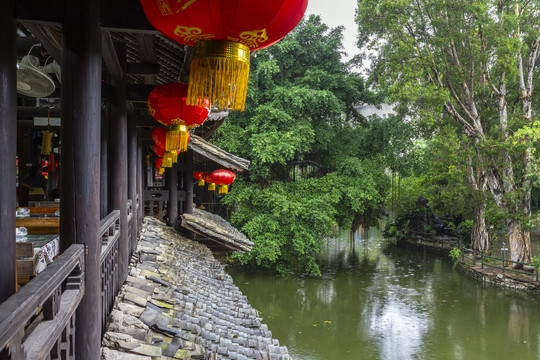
476,62
312,166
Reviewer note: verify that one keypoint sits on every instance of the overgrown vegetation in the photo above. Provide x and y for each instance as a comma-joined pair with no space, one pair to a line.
315,162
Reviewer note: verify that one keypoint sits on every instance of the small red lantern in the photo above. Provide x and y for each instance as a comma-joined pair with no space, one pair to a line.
160,140
223,178
167,104
208,178
159,162
199,176
223,33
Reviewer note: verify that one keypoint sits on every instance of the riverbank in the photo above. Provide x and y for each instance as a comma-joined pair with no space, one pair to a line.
178,303
475,269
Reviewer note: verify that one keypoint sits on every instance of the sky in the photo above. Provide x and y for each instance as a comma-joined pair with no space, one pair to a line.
335,13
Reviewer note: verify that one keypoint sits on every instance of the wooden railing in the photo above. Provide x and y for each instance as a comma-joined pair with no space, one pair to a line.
156,198
155,201
109,232
58,290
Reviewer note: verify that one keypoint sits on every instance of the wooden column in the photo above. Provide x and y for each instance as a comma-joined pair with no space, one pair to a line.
172,185
8,146
188,181
118,168
80,171
103,198
132,175
140,187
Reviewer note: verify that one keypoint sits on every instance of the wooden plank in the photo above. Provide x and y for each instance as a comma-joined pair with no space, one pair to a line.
47,333
48,210
108,221
26,267
45,225
24,249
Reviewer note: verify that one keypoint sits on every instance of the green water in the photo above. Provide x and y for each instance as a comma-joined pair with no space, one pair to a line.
381,302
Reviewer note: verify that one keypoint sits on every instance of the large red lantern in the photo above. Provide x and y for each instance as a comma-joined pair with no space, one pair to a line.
159,162
223,33
167,104
223,178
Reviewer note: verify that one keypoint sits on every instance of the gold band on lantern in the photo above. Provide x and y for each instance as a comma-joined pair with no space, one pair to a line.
221,49
219,71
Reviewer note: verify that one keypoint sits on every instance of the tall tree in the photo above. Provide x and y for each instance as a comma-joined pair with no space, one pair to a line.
312,167
478,62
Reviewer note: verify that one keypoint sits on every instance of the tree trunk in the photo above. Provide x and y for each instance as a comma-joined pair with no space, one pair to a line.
479,236
519,242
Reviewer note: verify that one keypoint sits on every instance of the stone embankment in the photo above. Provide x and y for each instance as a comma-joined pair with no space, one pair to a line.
486,274
178,303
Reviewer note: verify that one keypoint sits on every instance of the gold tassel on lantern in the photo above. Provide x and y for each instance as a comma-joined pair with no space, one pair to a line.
201,182
161,171
167,160
223,189
219,71
46,143
147,160
177,138
211,187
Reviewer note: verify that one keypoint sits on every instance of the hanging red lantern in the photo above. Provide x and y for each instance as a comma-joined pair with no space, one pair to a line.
208,178
159,162
223,178
223,33
167,104
199,176
160,139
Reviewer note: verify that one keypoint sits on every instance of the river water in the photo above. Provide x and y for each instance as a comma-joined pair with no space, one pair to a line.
376,301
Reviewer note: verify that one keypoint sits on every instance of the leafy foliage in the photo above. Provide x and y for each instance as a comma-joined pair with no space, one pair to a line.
315,162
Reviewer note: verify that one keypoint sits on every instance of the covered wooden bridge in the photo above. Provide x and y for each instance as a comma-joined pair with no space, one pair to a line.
109,58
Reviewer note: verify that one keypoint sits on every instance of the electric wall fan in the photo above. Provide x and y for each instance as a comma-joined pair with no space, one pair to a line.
32,78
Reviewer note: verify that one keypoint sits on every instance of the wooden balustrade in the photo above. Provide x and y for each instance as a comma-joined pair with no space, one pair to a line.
109,231
155,202
58,291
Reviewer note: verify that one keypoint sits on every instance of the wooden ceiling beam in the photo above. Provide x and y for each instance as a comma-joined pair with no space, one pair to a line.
109,55
144,68
118,15
47,40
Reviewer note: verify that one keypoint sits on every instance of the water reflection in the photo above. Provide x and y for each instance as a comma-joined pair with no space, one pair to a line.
381,302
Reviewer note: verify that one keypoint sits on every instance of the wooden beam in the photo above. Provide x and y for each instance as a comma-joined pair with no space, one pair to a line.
47,40
118,15
109,56
145,68
8,146
147,52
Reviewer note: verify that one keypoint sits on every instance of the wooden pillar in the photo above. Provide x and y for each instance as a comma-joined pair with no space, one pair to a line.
80,172
132,175
103,198
140,187
118,169
172,185
188,181
8,146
